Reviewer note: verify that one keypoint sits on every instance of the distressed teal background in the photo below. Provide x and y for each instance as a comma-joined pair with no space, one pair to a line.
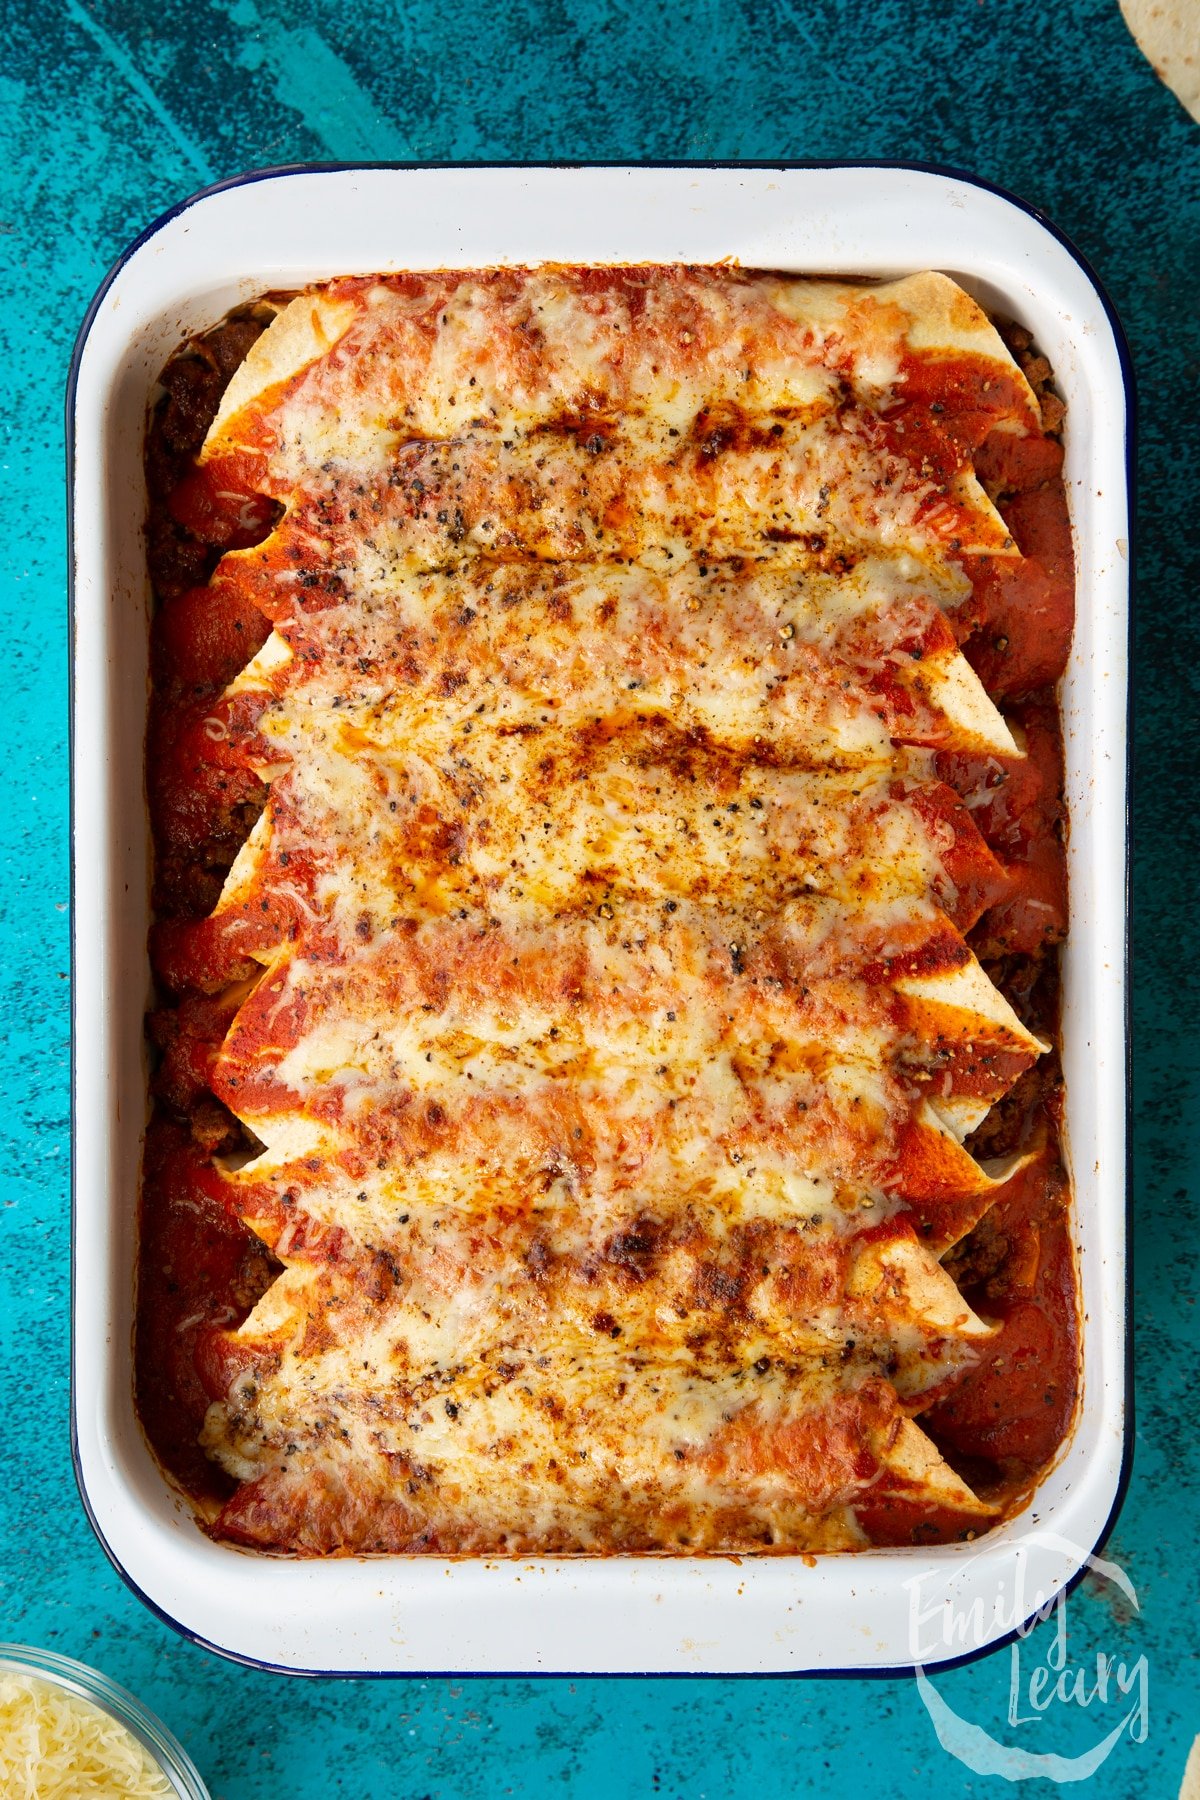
109,114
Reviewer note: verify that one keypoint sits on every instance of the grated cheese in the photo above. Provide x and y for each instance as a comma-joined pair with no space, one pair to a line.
56,1746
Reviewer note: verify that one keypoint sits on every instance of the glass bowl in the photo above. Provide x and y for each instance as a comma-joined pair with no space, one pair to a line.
89,1684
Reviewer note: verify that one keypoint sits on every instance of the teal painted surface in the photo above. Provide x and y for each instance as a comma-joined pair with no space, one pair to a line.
111,111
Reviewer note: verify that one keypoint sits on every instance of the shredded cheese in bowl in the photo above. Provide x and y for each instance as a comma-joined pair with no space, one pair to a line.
59,1743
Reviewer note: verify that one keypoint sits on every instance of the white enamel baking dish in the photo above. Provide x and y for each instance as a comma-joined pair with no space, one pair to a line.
880,1610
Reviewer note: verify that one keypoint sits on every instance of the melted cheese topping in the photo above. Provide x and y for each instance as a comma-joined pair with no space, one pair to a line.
429,357
659,1034
615,1003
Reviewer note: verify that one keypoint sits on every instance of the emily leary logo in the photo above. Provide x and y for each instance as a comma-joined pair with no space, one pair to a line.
1044,1679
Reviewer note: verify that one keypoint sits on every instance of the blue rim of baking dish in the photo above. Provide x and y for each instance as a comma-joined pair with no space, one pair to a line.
949,171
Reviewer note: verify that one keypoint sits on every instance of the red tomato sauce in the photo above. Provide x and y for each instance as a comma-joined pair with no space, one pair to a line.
1012,1410
199,1269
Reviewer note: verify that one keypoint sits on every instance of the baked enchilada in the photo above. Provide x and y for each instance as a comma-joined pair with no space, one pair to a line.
605,778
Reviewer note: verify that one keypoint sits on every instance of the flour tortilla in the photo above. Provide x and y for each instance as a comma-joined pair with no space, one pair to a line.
1168,33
